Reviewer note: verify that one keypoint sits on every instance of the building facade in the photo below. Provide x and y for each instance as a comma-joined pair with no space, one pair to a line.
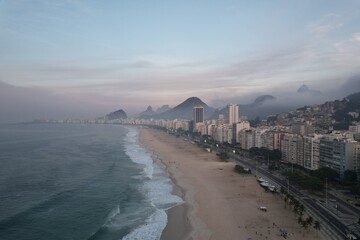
232,114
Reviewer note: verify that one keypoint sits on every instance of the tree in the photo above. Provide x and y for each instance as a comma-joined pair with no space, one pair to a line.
310,220
301,208
296,209
223,156
276,154
326,172
317,226
300,220
350,177
286,199
305,225
282,190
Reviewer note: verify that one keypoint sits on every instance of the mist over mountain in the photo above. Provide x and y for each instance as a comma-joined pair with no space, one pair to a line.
350,86
185,110
304,89
289,99
147,113
21,104
163,108
258,108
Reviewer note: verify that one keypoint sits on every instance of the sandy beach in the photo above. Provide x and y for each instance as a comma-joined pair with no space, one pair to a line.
219,203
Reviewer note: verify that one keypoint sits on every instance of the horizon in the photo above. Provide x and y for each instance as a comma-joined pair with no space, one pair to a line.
80,59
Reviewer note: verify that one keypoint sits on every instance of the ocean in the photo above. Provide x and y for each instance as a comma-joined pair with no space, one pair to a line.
62,181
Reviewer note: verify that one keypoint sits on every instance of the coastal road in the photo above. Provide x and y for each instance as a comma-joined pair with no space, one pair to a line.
334,225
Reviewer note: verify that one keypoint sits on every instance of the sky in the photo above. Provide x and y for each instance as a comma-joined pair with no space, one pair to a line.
84,58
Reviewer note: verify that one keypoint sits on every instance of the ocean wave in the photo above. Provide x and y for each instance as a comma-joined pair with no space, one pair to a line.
157,189
137,153
152,229
112,215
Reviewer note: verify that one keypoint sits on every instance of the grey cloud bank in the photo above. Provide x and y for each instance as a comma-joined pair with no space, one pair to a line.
20,104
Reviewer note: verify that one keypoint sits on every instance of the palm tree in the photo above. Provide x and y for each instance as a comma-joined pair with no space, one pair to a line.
296,206
301,208
282,190
310,220
305,225
317,227
286,200
300,220
291,197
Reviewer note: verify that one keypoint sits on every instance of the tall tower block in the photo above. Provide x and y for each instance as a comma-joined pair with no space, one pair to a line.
198,114
233,113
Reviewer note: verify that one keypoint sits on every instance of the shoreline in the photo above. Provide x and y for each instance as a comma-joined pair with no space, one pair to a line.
219,203
178,226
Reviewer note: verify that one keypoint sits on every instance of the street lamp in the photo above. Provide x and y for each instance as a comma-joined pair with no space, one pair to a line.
234,153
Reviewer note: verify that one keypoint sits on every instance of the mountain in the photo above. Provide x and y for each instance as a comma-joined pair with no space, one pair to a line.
119,114
147,113
346,111
304,89
185,110
261,107
355,98
337,114
262,99
163,108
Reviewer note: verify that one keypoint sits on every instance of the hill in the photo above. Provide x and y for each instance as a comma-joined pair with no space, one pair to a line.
337,114
119,114
163,108
261,107
346,111
185,110
147,113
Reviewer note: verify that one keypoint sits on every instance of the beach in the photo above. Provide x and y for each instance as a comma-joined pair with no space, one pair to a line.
219,203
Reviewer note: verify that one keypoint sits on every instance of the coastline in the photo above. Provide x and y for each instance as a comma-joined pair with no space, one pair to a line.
219,203
178,226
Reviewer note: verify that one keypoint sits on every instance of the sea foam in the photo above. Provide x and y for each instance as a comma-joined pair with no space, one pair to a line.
157,188
152,229
137,153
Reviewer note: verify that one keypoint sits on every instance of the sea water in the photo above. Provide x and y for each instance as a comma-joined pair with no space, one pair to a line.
60,181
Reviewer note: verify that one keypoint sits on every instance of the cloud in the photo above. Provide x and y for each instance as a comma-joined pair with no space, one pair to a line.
324,28
18,104
356,37
325,24
351,85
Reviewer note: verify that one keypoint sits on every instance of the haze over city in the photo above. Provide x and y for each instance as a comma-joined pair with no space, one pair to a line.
82,59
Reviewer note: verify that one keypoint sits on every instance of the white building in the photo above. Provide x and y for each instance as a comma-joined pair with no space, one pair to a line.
233,114
312,152
337,153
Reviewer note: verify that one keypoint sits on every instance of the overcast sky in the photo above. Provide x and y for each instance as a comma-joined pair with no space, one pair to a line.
99,56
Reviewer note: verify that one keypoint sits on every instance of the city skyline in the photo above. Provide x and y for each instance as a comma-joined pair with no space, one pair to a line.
87,58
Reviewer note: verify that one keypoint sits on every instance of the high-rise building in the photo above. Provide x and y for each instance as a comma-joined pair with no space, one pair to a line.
233,113
239,127
292,149
312,152
337,153
357,159
198,114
